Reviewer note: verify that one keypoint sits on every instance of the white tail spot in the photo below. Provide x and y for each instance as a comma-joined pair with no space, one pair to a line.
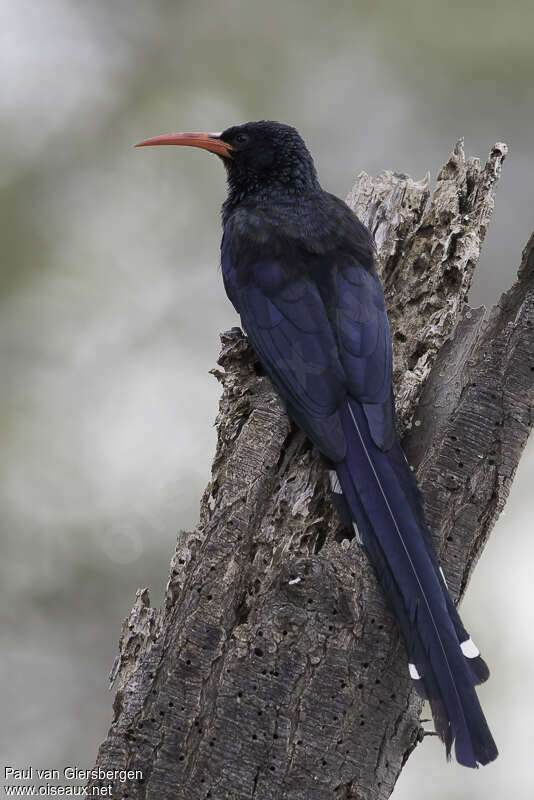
334,482
414,675
469,649
357,533
444,578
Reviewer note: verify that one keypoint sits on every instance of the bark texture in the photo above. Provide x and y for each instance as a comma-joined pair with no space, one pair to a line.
274,669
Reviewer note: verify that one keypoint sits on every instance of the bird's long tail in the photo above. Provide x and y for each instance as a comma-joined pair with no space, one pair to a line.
384,501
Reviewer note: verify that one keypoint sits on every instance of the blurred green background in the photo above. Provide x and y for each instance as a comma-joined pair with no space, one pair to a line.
111,305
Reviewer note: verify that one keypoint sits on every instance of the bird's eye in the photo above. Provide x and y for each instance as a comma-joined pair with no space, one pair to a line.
241,138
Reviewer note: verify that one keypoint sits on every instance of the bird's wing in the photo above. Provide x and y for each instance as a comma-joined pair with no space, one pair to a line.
289,329
365,346
317,345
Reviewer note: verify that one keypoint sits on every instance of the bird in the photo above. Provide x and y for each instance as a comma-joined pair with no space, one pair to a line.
300,269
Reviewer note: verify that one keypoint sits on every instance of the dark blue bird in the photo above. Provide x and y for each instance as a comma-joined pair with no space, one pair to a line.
298,266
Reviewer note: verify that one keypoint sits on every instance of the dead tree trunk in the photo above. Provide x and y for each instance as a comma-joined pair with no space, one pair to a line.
274,670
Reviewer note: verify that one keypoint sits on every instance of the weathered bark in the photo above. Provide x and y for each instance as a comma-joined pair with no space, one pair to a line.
274,669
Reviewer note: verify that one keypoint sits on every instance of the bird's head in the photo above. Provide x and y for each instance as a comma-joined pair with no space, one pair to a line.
259,156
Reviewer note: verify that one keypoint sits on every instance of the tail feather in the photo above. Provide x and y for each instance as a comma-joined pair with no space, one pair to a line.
384,501
479,669
405,476
428,689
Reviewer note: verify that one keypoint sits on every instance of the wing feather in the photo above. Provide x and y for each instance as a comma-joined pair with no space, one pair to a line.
321,334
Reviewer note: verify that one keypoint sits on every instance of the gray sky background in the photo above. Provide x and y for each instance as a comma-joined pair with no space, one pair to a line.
111,304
